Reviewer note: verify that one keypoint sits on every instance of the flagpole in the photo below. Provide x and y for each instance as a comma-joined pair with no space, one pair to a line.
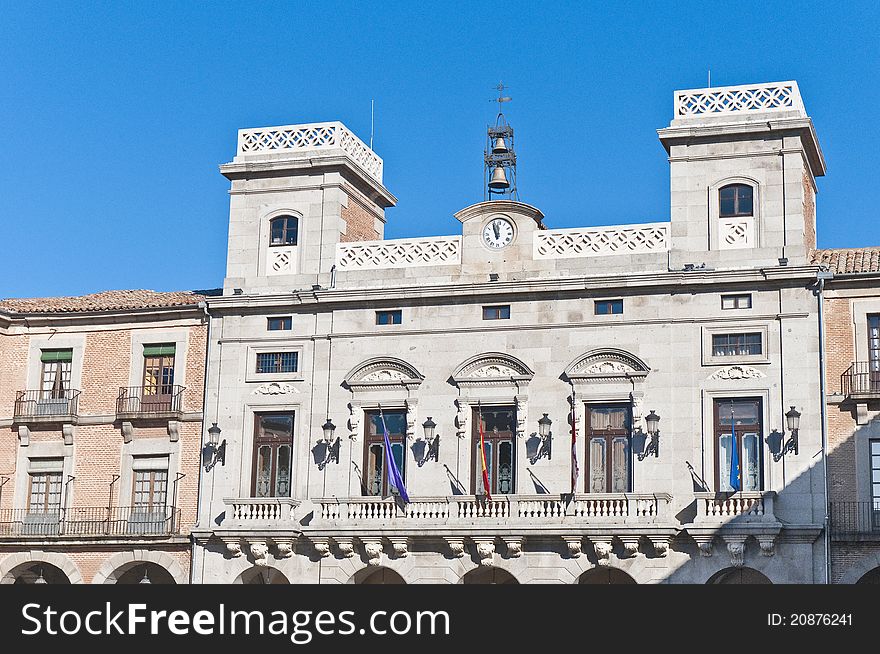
575,470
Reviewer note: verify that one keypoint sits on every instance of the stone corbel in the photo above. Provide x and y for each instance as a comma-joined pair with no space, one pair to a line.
661,546
768,545
574,544
461,417
861,414
736,546
354,420
412,412
260,552
704,543
400,545
173,431
284,548
602,547
321,545
456,547
522,415
630,546
486,551
637,401
514,546
24,435
67,430
345,546
233,547
373,550
127,431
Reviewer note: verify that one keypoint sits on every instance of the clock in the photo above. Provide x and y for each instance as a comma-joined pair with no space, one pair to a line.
498,233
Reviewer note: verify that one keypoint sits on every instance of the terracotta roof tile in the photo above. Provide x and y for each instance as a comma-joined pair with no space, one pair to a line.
104,301
848,261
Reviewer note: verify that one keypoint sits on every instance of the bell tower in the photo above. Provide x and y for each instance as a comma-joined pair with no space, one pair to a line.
499,158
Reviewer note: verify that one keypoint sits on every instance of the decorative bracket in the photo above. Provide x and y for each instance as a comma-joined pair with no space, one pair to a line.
24,435
127,431
173,431
260,552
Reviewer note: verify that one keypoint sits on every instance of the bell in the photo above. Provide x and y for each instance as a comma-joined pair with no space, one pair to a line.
499,179
500,146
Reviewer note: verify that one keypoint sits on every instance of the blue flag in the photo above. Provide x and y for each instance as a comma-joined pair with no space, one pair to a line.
394,477
735,472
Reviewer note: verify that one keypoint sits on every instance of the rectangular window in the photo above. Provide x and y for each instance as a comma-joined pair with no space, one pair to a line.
875,481
608,448
375,480
725,345
874,352
743,301
273,454
44,486
605,307
499,438
150,490
284,323
499,312
389,317
55,376
739,417
269,362
158,376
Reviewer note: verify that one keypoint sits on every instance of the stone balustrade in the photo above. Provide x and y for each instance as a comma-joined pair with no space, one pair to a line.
601,241
736,508
404,252
260,511
749,98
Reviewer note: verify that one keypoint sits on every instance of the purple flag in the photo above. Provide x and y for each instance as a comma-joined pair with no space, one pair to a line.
394,477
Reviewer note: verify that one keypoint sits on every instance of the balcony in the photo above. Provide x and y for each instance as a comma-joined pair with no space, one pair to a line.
88,522
855,520
146,402
51,406
738,508
861,381
260,512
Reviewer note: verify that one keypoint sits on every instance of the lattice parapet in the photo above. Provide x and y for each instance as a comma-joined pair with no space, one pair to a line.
601,241
372,255
749,98
311,137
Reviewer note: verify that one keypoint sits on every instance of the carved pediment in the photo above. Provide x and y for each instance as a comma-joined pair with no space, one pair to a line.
737,372
383,372
275,388
606,364
492,368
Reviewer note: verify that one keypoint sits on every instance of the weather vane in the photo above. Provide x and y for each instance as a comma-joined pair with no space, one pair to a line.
501,97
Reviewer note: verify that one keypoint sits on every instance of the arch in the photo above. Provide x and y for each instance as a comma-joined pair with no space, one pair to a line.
9,567
39,573
489,574
262,574
380,575
605,575
492,366
736,199
861,568
138,572
870,577
736,230
383,371
607,364
118,564
283,230
739,576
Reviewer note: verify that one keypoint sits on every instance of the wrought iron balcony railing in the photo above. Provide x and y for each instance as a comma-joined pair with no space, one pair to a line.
45,406
149,401
854,518
124,521
861,380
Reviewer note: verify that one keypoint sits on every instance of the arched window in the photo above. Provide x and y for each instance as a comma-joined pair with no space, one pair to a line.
283,230
735,200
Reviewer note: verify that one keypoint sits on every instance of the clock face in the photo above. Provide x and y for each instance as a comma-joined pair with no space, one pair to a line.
498,233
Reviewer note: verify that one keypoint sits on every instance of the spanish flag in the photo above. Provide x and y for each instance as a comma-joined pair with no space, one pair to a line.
483,460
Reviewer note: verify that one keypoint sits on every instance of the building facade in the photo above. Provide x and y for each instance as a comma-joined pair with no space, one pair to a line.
100,408
852,344
335,355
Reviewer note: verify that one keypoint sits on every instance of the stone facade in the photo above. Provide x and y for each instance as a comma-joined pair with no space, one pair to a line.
664,519
120,457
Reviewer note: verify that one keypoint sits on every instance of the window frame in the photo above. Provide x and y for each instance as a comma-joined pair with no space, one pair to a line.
874,469
610,435
611,304
279,361
371,439
719,430
710,359
396,316
286,323
274,443
735,298
736,200
163,387
284,231
45,508
151,506
742,342
494,456
500,310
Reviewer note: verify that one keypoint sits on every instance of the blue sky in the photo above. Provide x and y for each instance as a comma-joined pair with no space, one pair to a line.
116,115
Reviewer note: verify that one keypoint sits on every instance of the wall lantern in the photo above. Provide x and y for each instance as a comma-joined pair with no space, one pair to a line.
546,437
431,442
331,447
652,422
214,451
774,440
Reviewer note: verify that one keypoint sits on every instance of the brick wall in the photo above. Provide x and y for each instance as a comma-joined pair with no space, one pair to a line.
105,368
359,222
846,555
840,354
